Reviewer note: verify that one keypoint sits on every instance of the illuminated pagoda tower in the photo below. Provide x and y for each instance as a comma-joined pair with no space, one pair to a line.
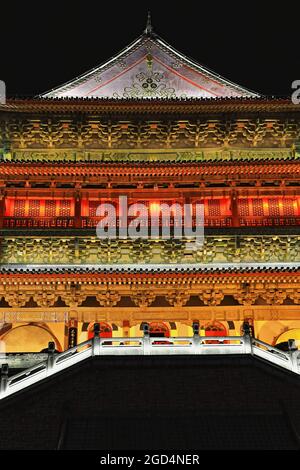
155,126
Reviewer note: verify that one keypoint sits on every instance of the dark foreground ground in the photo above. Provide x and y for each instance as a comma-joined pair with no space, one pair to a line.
157,403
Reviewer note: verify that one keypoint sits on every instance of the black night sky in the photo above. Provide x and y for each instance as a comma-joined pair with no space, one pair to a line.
255,44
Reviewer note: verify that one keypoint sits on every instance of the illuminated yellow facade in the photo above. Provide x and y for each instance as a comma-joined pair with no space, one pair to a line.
156,127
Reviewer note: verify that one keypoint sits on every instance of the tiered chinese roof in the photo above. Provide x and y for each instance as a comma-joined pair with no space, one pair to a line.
149,68
151,113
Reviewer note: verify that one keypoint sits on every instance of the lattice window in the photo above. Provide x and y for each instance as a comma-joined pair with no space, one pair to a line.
200,202
109,201
214,209
146,211
243,205
65,209
168,202
93,207
146,203
34,208
50,208
19,208
258,208
274,207
179,210
288,207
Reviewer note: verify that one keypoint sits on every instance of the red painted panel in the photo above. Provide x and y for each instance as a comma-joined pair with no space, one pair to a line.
159,329
105,330
215,329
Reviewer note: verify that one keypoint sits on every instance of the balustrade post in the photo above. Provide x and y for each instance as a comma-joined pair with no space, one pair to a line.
247,338
293,351
196,338
96,345
146,340
4,379
51,357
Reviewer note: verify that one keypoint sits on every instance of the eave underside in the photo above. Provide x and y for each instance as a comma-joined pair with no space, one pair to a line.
149,106
247,169
146,272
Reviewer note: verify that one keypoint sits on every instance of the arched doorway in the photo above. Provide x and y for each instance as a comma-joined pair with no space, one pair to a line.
269,331
158,330
282,340
105,330
29,338
215,329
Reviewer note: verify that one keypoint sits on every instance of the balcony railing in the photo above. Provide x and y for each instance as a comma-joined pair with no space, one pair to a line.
92,222
268,221
38,222
146,345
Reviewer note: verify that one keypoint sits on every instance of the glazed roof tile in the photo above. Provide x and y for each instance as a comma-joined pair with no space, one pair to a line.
288,167
214,268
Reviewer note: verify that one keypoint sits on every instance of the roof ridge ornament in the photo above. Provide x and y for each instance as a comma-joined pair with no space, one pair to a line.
149,29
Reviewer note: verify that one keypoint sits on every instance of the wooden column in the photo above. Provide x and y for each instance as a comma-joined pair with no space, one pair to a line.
2,208
187,200
77,214
126,328
234,209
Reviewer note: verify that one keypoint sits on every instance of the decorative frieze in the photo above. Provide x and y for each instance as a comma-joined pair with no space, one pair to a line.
209,293
97,156
96,139
212,296
142,298
108,298
84,250
178,298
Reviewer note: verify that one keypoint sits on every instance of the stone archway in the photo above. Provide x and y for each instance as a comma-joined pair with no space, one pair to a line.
29,338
